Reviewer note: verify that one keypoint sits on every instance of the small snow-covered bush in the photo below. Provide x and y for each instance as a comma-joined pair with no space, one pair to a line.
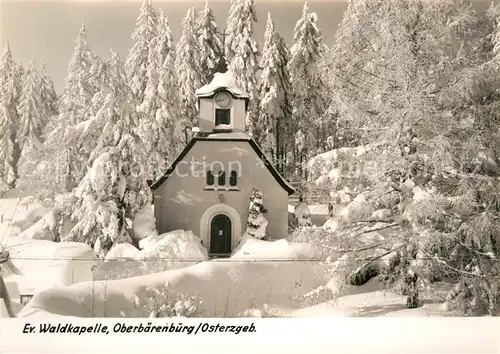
144,223
319,295
164,302
257,222
303,215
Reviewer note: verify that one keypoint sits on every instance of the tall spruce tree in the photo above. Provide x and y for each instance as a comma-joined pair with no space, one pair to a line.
161,102
144,35
242,53
67,165
414,82
275,95
31,111
211,51
79,90
307,83
115,187
190,77
48,94
9,119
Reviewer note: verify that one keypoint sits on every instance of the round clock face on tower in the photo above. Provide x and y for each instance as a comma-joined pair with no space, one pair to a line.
223,99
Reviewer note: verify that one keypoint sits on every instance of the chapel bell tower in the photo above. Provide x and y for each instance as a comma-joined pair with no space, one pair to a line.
222,105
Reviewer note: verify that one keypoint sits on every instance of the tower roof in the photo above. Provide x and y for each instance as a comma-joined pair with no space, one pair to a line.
222,81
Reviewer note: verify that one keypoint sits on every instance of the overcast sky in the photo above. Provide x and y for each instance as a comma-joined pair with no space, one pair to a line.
46,30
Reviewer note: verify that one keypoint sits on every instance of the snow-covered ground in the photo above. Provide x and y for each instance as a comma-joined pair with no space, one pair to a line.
260,278
253,277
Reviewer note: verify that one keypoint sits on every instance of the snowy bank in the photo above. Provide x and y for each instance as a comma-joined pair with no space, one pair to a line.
49,264
254,249
226,287
159,253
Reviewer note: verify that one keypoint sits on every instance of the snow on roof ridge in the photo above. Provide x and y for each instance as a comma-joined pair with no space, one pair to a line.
222,81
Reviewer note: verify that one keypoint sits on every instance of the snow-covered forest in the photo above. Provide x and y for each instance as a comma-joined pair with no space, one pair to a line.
397,121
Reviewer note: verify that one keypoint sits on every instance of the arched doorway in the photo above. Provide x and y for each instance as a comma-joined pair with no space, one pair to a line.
220,235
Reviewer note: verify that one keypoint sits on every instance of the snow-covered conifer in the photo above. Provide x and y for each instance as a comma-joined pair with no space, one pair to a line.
31,119
170,108
9,119
410,80
190,77
144,39
302,214
160,107
242,53
257,222
48,94
31,110
79,90
307,83
275,95
210,43
115,187
76,106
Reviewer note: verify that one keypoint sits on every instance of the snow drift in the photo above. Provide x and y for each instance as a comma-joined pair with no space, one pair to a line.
226,287
172,250
48,264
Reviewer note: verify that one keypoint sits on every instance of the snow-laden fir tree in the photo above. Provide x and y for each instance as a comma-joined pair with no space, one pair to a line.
79,90
75,107
31,121
63,159
84,136
170,108
159,46
307,82
257,222
160,107
211,51
48,95
31,111
242,53
413,81
19,75
275,96
115,187
187,64
9,119
144,40
101,81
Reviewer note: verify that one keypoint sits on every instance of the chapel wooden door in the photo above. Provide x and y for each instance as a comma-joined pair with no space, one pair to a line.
220,235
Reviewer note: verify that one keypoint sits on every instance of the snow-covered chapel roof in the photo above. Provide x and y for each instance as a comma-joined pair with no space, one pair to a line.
222,81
